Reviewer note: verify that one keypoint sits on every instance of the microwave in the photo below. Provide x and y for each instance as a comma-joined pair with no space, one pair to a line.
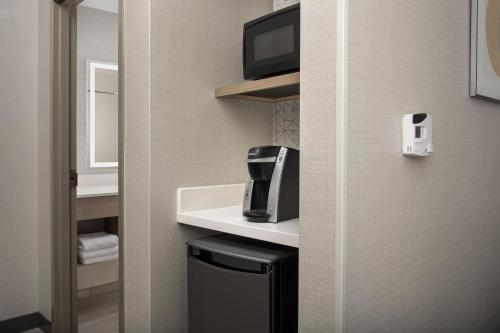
271,44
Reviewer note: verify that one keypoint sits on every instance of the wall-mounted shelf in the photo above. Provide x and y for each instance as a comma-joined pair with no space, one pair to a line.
98,274
96,207
274,89
96,191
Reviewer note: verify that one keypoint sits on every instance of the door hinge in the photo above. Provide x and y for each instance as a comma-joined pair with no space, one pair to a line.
73,178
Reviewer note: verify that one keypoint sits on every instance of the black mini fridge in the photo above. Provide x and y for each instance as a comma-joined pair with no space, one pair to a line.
240,285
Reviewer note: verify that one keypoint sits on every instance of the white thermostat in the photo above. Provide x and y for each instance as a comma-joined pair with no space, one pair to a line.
417,134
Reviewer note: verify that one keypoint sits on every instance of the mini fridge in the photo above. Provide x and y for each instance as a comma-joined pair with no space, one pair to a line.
241,285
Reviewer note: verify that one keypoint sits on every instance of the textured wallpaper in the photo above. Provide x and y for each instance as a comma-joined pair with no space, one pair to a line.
137,174
317,167
423,234
286,115
18,162
195,139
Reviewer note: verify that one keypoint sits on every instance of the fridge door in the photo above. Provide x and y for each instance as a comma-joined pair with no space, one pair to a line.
222,300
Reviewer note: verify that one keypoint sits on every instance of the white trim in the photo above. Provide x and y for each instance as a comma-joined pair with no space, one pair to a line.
342,99
110,6
473,47
91,68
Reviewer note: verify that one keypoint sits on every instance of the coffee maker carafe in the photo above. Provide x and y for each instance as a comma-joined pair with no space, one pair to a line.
272,193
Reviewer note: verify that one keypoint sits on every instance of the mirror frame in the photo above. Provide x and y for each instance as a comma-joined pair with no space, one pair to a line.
92,65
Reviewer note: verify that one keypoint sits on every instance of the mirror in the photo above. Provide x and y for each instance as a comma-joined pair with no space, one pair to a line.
102,114
97,92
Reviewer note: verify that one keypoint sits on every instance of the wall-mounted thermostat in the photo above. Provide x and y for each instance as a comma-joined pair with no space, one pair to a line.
417,134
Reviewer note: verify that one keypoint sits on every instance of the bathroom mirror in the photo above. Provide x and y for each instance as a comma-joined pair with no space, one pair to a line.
102,80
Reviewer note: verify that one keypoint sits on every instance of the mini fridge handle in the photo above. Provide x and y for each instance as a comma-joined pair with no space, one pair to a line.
228,262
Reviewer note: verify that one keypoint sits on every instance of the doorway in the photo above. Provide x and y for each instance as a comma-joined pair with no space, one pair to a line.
86,171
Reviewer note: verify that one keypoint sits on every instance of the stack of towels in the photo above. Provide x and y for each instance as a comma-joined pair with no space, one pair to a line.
97,247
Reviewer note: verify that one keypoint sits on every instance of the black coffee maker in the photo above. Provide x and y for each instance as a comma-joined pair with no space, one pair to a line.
272,193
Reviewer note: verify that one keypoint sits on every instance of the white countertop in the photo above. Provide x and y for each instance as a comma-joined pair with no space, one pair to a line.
232,221
218,212
96,191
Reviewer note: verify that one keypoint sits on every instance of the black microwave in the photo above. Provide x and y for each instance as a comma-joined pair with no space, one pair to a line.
271,44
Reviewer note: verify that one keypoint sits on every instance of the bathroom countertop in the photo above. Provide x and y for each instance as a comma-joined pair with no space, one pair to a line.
96,191
213,207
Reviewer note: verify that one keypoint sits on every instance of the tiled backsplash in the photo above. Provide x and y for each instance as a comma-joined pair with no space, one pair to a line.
278,4
286,115
286,124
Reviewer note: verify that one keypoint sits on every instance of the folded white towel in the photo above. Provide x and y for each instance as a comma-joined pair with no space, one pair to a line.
85,254
97,241
99,259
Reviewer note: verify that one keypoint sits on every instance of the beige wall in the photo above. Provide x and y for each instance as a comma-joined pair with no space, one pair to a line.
24,163
318,156
44,157
195,139
179,135
423,238
136,166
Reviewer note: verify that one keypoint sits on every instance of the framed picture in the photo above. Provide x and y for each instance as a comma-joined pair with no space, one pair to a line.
485,49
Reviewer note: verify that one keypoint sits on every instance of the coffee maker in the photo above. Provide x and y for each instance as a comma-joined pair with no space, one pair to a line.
272,193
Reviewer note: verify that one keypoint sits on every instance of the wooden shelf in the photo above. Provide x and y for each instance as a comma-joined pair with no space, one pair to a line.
274,89
90,276
89,208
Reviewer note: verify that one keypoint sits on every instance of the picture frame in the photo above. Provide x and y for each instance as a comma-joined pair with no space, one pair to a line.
485,49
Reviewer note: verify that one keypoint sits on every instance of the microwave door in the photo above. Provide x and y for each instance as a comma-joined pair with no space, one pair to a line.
272,46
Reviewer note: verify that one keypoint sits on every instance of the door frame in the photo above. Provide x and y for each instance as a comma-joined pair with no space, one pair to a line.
61,165
64,240
121,164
